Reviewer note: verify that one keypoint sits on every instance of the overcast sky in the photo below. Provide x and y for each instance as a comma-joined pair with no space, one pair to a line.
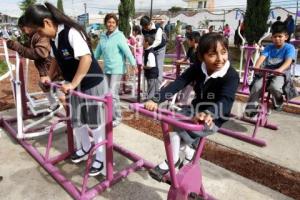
75,7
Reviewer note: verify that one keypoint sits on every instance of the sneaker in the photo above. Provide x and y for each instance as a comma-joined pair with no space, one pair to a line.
116,123
157,173
277,103
278,108
96,171
184,162
250,114
75,158
251,111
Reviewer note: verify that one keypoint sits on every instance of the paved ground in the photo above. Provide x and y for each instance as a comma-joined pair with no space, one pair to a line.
282,145
25,179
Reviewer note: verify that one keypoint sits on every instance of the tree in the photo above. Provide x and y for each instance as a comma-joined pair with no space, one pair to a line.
60,5
126,11
256,18
26,3
173,10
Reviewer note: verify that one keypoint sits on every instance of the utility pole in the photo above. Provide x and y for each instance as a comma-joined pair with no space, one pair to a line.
151,9
296,17
223,18
85,14
73,15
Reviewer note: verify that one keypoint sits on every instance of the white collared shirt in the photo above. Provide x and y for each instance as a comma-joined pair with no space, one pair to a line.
76,40
151,60
158,36
216,74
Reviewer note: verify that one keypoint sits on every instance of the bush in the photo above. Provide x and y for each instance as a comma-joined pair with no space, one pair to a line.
3,67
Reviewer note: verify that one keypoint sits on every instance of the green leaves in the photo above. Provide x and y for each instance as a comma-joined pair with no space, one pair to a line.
60,5
26,3
256,18
126,10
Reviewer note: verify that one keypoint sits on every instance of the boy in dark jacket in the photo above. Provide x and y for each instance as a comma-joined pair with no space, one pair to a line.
150,67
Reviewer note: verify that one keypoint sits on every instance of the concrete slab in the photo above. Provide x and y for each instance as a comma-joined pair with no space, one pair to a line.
282,145
25,179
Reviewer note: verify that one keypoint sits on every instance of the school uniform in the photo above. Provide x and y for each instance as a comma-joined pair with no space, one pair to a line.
67,47
214,94
159,47
151,72
191,55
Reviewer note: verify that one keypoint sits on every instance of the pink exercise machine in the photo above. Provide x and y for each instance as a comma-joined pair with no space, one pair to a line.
187,182
262,116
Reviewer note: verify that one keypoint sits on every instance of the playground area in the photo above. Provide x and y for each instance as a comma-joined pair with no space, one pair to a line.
199,102
232,169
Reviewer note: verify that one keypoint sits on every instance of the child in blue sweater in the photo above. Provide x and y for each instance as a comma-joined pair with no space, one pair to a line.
215,86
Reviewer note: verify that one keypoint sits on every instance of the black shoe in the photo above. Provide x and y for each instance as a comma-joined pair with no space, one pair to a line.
251,111
53,108
277,103
96,171
157,173
278,108
77,159
1,178
184,162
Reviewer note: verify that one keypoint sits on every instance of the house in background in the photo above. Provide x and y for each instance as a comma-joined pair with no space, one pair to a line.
201,4
6,19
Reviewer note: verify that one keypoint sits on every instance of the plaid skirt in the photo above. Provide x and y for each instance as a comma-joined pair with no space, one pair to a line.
192,138
85,111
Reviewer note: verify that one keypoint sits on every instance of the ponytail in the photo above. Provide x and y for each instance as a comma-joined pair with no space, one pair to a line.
36,14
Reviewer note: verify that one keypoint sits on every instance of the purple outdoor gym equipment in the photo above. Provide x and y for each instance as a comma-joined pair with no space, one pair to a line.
48,163
262,119
137,81
125,90
187,182
112,177
253,50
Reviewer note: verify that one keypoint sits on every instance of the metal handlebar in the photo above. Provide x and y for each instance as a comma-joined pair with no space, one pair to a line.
267,71
79,94
168,117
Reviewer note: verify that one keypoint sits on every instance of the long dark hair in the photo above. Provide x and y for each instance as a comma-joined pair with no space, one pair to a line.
36,14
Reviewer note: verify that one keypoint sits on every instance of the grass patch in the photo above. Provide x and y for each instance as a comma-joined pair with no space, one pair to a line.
3,67
168,61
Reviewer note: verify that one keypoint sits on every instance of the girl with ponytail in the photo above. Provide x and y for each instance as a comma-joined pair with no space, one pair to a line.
70,46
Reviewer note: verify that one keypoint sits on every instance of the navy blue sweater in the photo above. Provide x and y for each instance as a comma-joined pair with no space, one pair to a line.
150,73
216,96
64,55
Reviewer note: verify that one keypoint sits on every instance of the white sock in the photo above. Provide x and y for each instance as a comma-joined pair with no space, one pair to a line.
83,136
50,98
77,137
175,143
99,135
189,152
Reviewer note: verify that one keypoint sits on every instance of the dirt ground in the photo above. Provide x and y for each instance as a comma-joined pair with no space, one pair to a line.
268,174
